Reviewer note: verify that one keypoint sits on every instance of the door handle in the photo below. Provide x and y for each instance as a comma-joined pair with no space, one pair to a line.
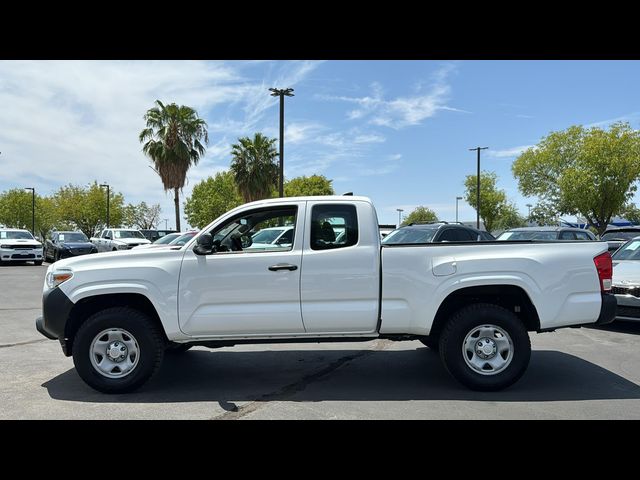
283,266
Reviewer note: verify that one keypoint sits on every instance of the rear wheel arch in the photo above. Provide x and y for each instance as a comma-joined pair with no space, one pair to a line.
88,306
511,297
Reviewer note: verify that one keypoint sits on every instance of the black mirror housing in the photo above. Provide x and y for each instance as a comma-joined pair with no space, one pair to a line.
204,244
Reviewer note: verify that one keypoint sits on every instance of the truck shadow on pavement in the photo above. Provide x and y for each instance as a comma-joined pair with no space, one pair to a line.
620,326
352,375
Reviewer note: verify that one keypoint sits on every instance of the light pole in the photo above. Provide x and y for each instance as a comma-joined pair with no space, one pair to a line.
105,185
478,186
165,223
281,92
529,216
457,198
33,210
400,210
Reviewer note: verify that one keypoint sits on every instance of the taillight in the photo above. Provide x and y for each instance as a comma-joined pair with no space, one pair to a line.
605,270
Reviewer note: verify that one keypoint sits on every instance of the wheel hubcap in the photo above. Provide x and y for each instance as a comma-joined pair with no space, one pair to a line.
114,353
487,349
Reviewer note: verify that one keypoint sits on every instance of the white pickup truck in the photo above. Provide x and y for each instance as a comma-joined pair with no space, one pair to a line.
112,239
118,313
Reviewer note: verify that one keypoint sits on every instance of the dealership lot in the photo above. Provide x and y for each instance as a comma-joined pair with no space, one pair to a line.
574,374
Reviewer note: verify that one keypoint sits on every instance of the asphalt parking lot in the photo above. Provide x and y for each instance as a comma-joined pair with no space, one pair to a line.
574,374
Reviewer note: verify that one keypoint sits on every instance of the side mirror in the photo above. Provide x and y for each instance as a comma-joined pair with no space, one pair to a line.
246,240
204,245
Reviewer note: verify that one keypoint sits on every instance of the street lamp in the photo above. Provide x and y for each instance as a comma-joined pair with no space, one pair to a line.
529,205
105,185
280,92
457,198
165,223
400,210
478,186
33,210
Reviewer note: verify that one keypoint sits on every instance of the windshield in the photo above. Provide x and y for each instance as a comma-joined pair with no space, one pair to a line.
72,237
530,235
266,236
410,235
620,235
16,235
127,234
629,251
166,239
182,239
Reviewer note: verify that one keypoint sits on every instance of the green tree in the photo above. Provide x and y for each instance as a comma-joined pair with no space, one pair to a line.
588,172
308,186
86,208
492,200
211,198
420,215
631,212
16,211
141,215
253,166
509,217
173,136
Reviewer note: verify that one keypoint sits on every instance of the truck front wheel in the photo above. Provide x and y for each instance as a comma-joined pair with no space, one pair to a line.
485,347
117,350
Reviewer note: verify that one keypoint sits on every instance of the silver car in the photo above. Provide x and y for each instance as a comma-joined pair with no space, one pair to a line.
626,280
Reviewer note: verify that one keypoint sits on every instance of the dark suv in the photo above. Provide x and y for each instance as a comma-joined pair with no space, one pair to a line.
436,232
618,236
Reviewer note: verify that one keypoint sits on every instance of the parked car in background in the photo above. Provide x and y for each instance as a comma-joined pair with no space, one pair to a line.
112,239
548,234
272,237
182,239
626,280
153,235
161,242
386,229
618,236
436,232
17,245
67,244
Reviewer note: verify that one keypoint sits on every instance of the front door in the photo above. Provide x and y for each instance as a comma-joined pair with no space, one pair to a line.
246,288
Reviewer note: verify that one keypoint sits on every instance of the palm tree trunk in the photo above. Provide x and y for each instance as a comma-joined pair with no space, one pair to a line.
176,201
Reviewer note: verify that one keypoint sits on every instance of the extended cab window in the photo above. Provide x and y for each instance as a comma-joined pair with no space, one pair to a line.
333,226
263,230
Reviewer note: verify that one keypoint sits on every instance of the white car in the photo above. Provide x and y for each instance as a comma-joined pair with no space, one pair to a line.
626,280
17,245
272,237
113,239
117,313
161,242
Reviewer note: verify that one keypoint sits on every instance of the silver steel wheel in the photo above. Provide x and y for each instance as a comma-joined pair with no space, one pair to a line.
487,349
114,353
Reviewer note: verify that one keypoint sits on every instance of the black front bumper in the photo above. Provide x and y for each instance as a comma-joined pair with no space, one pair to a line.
56,309
607,309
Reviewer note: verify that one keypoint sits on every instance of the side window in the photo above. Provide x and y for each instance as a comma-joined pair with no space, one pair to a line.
455,235
567,236
106,234
582,236
333,226
263,230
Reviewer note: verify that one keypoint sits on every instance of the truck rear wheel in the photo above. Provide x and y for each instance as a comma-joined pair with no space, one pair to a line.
117,350
485,347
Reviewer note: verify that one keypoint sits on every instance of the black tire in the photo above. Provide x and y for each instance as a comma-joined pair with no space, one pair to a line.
147,334
463,323
431,342
178,348
38,262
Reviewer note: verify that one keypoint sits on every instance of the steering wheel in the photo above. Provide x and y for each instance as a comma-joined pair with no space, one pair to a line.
236,243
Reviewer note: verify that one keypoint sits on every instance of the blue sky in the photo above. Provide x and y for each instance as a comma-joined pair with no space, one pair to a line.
396,131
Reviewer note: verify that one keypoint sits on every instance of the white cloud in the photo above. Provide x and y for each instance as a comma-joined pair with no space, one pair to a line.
402,112
77,121
508,152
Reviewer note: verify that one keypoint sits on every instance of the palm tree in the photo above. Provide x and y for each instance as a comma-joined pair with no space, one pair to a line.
173,143
254,168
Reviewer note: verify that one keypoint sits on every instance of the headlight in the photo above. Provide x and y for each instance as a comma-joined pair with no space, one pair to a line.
122,247
5,246
57,277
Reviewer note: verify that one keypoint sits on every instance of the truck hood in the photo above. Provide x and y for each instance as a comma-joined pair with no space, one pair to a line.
129,241
626,272
121,257
77,245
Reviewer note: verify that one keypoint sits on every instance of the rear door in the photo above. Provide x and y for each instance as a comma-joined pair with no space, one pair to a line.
339,287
